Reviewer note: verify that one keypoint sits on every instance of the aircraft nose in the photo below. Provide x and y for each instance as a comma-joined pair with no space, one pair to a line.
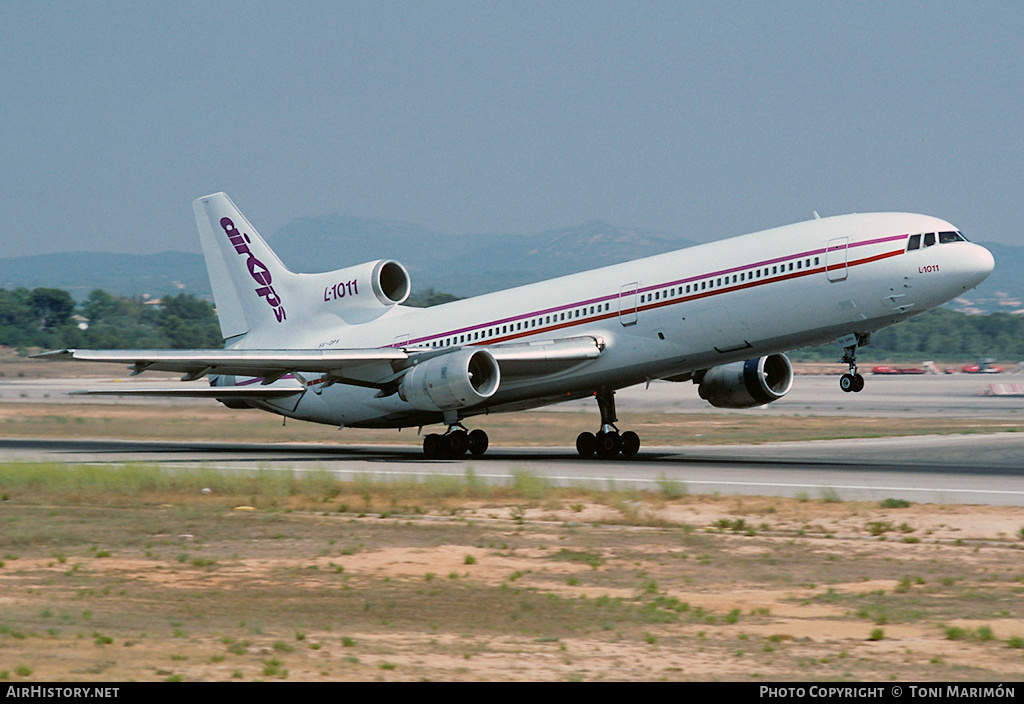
978,264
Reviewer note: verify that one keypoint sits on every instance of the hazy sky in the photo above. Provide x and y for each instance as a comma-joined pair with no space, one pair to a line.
705,119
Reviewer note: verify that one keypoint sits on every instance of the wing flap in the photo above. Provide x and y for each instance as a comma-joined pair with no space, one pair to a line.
546,356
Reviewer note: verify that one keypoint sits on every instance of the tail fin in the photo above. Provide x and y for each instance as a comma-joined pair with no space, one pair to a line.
250,284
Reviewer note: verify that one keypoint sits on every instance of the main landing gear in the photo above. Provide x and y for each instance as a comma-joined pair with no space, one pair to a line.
455,443
607,442
853,381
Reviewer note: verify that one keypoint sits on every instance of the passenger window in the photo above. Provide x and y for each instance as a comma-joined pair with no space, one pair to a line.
914,242
929,239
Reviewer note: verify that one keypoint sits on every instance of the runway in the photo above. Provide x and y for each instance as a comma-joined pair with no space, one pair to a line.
960,469
976,469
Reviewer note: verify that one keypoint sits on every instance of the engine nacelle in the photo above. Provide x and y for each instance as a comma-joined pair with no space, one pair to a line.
451,381
371,286
754,382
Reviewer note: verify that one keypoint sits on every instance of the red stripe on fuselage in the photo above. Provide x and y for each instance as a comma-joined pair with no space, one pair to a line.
651,305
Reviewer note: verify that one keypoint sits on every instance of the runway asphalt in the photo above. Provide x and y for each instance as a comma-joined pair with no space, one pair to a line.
961,469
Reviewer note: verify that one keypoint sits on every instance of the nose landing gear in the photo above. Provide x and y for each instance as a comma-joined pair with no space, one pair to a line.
852,381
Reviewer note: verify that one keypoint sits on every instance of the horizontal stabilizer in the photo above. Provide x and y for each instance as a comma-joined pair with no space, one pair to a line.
251,393
265,363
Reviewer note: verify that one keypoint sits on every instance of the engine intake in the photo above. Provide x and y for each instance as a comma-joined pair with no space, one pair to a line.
451,381
754,382
390,282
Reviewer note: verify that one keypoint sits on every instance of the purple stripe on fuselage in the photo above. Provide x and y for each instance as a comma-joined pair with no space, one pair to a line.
646,289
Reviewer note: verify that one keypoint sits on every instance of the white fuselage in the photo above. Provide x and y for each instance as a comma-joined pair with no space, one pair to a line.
667,315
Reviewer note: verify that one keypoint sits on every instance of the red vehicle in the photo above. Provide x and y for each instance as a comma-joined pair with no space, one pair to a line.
883,369
985,366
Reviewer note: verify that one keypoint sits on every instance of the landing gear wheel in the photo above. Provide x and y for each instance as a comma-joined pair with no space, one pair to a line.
586,444
858,383
851,382
434,446
477,442
458,443
846,383
630,444
608,444
455,443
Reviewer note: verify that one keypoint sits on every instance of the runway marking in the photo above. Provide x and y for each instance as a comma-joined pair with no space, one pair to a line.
642,480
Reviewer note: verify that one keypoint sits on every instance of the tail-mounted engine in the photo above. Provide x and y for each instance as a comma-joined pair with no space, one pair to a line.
451,381
368,287
754,382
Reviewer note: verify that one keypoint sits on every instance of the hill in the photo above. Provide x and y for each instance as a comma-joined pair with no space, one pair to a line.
465,265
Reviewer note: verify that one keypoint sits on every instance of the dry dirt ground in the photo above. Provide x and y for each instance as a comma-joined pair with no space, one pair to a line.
637,587
428,583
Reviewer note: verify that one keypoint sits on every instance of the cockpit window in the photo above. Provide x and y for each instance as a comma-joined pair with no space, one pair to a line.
929,239
950,237
914,242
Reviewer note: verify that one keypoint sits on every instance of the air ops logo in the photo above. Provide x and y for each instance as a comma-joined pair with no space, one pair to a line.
257,269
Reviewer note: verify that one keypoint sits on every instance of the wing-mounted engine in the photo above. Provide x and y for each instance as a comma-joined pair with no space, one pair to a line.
451,381
360,292
754,382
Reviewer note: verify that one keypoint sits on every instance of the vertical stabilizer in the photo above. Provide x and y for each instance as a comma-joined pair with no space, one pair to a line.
250,284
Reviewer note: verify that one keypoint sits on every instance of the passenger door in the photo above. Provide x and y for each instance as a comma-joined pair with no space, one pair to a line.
627,304
836,259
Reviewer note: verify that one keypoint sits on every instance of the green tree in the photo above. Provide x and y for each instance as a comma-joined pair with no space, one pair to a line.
188,322
51,307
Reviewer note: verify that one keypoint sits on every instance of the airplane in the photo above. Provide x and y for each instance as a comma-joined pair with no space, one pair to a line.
340,348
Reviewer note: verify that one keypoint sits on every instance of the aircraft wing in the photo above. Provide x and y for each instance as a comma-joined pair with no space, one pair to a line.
381,367
545,356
